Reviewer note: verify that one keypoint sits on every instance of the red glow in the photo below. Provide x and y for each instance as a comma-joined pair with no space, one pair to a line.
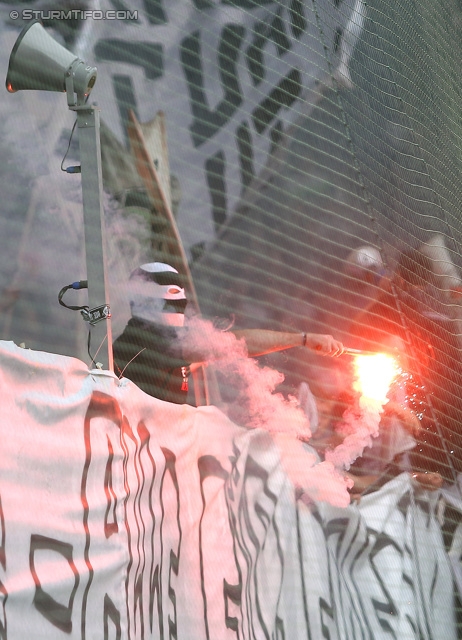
374,375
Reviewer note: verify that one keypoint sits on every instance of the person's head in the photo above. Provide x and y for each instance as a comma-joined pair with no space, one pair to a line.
365,264
156,294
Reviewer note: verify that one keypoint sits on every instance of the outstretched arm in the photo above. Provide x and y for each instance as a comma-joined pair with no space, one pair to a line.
260,342
428,481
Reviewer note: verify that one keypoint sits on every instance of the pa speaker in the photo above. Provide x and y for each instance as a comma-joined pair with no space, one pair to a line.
37,61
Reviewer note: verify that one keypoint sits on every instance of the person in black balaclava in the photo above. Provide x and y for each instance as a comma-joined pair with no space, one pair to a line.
149,351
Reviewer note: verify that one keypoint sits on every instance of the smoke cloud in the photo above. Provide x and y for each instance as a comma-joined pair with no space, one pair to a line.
359,428
250,399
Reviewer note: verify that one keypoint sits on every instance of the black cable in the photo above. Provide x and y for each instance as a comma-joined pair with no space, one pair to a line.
76,168
93,362
79,284
72,169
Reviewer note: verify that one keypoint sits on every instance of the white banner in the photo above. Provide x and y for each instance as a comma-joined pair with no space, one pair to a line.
126,517
231,78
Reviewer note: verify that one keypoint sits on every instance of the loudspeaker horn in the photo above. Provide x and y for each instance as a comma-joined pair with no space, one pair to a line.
37,61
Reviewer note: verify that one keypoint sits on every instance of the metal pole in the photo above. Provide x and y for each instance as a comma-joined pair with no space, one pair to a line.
88,122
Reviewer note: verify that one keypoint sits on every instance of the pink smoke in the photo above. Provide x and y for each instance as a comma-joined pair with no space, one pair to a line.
372,379
257,405
359,427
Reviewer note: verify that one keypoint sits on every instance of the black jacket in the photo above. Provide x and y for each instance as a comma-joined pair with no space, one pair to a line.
149,355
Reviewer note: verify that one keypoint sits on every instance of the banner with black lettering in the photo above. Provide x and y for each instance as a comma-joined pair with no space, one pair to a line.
124,517
231,79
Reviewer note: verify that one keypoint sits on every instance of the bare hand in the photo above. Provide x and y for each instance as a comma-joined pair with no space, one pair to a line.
360,484
325,345
427,480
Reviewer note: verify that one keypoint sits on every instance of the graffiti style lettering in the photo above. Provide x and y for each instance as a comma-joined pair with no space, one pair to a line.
146,517
254,53
156,595
130,463
144,577
235,474
110,527
204,4
147,55
385,610
207,122
170,460
209,467
167,501
280,633
256,535
283,26
278,35
215,173
100,406
147,569
244,143
125,98
154,11
302,572
111,614
276,134
339,534
297,18
58,614
139,607
283,95
326,611
145,496
247,4
223,524
334,527
120,6
232,593
264,33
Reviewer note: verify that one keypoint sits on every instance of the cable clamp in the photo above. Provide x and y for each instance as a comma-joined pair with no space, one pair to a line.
93,316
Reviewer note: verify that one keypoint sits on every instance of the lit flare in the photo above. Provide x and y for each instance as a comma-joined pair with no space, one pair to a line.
374,376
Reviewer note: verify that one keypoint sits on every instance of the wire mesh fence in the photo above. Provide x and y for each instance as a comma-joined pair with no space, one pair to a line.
314,148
